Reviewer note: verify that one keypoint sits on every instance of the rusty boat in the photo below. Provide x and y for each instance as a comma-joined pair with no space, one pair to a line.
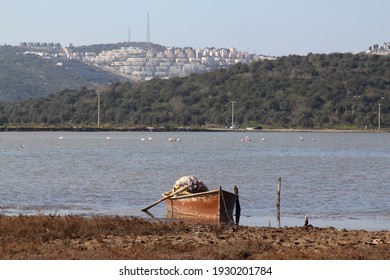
213,205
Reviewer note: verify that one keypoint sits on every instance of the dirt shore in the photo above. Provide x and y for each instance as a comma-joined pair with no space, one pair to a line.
106,238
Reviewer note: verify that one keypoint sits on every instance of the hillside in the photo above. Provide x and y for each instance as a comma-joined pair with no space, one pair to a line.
24,74
314,91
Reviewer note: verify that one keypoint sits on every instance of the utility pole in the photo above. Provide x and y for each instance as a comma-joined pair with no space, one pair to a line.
379,117
233,102
98,96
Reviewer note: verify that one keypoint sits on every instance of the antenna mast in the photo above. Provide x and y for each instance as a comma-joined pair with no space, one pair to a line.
148,31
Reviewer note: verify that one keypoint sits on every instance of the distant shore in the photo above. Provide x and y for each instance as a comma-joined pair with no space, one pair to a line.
178,129
105,238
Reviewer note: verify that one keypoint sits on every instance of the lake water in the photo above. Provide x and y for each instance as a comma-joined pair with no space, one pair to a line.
335,179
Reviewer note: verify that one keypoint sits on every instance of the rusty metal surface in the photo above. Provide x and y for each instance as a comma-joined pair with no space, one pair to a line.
212,205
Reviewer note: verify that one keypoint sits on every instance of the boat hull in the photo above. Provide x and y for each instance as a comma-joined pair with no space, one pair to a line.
216,205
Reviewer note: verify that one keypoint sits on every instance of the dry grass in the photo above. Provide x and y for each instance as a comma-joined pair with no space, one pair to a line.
101,237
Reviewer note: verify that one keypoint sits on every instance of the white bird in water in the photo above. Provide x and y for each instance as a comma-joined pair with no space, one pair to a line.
142,139
61,138
22,146
171,139
263,139
150,138
108,137
246,139
301,138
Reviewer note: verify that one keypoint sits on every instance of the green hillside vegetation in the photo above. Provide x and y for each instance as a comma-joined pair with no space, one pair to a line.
316,91
98,48
26,75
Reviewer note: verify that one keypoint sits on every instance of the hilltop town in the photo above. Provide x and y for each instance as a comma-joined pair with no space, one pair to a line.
146,62
143,64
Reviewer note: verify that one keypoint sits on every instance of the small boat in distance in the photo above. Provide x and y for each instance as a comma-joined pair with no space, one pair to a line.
215,205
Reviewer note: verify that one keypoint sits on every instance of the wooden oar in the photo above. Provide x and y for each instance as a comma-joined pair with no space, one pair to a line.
182,189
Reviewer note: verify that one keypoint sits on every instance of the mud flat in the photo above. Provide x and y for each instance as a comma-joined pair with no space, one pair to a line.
111,238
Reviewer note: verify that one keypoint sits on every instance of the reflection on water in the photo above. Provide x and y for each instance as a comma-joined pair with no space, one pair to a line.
336,179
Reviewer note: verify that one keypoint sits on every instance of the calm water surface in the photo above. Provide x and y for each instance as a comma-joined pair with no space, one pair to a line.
336,179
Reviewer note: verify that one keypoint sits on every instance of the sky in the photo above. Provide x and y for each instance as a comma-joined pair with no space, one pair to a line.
273,27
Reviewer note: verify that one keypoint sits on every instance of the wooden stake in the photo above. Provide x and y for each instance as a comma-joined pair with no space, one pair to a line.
278,200
238,206
278,192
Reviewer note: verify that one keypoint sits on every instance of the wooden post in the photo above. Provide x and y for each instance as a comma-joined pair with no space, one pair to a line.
238,206
278,192
278,200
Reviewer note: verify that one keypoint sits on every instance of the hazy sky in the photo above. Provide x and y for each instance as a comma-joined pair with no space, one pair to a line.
273,27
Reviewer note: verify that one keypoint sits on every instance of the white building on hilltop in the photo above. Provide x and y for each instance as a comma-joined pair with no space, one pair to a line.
171,62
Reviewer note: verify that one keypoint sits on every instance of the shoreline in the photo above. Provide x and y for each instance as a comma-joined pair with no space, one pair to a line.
375,223
152,129
110,238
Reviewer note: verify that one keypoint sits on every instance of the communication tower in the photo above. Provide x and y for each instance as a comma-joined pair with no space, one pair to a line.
148,30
